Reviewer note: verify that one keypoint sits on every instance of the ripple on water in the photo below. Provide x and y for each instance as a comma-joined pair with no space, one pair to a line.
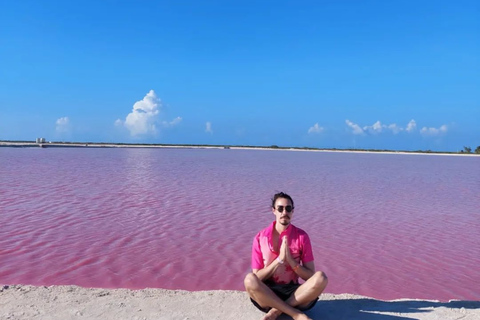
387,226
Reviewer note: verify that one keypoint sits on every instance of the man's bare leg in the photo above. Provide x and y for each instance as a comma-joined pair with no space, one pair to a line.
306,293
272,314
262,294
309,290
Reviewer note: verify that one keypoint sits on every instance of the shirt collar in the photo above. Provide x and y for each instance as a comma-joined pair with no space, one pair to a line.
270,229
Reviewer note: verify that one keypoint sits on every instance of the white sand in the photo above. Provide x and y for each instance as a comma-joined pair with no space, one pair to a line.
71,302
114,145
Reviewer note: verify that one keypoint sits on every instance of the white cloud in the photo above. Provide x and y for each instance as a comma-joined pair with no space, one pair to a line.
395,129
144,115
378,127
316,129
355,127
434,131
62,125
172,123
144,118
208,127
411,126
375,128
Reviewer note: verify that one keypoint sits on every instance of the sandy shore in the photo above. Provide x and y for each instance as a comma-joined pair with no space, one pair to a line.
71,302
115,145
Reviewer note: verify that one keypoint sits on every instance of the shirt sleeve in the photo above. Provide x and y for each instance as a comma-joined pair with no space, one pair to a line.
307,254
257,258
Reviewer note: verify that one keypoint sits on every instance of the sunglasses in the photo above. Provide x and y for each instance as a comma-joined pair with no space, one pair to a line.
287,208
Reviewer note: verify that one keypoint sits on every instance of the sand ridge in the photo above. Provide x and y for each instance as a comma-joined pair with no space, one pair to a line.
73,302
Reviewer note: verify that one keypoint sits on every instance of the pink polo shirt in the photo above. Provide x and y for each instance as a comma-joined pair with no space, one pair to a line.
263,254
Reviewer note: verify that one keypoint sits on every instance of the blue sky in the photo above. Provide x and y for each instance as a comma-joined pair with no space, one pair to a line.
398,75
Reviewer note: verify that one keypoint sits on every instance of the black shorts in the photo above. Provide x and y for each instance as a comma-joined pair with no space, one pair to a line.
284,291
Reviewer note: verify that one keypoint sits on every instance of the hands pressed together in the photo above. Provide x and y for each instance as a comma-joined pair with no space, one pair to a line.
285,254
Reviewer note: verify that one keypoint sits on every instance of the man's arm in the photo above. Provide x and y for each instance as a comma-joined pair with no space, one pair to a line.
305,271
268,271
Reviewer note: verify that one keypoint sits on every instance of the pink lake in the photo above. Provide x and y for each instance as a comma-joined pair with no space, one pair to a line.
382,225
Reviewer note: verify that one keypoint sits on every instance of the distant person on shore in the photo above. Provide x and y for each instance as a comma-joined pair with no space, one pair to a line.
281,253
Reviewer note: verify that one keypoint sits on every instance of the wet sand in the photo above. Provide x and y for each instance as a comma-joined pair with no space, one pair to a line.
72,302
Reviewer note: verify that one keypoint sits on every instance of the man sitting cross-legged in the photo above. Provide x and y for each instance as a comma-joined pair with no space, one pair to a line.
281,253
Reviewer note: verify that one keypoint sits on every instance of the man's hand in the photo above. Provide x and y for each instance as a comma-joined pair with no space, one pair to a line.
268,271
288,254
283,249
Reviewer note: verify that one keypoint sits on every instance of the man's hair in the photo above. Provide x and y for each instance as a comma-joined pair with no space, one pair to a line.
281,195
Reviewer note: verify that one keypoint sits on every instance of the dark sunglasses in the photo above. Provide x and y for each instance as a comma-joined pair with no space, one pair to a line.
287,208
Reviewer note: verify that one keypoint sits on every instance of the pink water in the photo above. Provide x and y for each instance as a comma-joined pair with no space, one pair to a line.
386,226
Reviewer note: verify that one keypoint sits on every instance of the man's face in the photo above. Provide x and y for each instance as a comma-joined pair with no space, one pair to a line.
283,217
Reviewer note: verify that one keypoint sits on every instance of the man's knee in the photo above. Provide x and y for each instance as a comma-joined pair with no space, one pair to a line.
321,280
251,281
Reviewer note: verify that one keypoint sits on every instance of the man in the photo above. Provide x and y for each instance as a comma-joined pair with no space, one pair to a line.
281,253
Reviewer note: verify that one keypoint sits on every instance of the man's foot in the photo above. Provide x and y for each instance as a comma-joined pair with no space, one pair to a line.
272,314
